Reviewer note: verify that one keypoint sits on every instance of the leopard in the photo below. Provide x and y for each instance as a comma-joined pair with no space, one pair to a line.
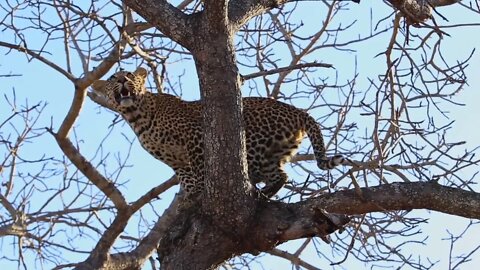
170,129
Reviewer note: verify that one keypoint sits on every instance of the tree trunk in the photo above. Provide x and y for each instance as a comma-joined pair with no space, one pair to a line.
221,221
224,135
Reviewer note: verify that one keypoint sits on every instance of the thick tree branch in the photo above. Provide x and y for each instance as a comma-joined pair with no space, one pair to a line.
185,244
137,257
278,222
241,11
441,3
401,196
7,205
167,18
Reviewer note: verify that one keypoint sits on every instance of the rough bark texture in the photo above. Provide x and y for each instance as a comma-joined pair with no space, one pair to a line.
223,127
195,241
170,20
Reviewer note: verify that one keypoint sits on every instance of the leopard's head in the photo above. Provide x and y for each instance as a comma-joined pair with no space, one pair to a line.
123,88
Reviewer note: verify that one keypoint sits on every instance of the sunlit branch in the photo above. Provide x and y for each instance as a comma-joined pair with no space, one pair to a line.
293,258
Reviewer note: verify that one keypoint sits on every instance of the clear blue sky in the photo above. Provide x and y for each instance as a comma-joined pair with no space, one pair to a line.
40,83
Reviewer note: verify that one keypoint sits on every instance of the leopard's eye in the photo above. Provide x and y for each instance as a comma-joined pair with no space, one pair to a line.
129,76
113,77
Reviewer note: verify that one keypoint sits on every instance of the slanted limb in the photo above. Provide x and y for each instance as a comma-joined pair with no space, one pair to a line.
402,196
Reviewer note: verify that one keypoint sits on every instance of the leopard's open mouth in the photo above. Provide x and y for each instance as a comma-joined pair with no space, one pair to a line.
125,97
125,93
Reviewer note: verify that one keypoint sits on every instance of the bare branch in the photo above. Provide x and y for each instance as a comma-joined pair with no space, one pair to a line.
153,193
283,69
106,186
293,258
40,58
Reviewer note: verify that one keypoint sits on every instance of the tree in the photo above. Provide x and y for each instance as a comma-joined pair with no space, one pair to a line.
390,120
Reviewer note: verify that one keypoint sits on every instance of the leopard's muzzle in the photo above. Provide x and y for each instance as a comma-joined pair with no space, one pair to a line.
125,96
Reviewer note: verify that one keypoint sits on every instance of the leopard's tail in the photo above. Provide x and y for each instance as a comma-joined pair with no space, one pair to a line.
316,138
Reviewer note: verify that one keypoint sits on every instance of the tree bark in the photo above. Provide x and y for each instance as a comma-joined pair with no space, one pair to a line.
224,143
194,241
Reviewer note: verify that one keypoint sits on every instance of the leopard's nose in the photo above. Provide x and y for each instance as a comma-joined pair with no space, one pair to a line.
122,79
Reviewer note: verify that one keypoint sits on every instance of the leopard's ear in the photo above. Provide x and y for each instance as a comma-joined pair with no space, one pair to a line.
142,72
99,86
